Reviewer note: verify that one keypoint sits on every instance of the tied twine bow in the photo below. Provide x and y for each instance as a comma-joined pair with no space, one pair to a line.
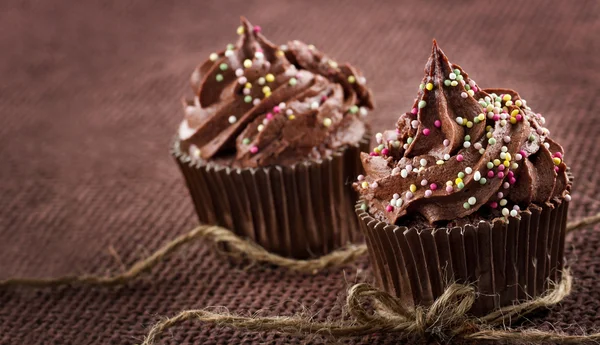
445,319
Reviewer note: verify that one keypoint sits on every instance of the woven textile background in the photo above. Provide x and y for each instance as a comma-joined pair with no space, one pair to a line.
90,98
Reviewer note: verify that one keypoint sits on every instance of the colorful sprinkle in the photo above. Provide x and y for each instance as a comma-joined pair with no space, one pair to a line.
254,149
422,104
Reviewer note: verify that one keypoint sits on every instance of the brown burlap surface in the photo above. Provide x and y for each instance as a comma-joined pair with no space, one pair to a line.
89,101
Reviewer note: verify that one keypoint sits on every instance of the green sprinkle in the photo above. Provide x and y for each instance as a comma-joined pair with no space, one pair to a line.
409,140
354,109
454,83
531,138
363,207
246,141
230,46
248,99
466,205
223,66
491,141
219,77
447,82
467,87
422,104
490,165
476,120
457,72
460,185
293,81
461,174
498,99
421,86
483,180
467,137
459,77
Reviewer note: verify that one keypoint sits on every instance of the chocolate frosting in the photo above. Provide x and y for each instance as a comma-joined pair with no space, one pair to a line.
257,104
461,150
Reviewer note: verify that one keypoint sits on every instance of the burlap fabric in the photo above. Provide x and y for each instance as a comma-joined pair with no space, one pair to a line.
89,101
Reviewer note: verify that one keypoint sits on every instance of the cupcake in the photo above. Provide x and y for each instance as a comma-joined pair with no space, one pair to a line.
270,143
467,188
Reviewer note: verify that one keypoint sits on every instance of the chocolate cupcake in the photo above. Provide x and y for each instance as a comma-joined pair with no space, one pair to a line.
270,142
468,188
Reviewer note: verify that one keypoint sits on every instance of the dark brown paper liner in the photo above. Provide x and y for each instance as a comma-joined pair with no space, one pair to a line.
298,211
505,261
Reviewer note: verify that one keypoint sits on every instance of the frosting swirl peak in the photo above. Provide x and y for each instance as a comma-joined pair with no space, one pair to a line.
257,104
461,149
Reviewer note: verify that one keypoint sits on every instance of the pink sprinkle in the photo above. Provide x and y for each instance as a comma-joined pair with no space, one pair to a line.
490,174
323,98
374,184
428,193
437,123
475,89
449,189
389,208
501,167
269,116
433,186
523,154
257,29
493,204
556,168
446,142
276,109
398,130
558,154
408,195
254,149
519,117
511,174
500,174
414,111
374,154
385,152
512,180
459,158
408,167
426,131
496,117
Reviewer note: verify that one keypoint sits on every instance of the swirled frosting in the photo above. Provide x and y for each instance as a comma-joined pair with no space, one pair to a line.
461,150
257,104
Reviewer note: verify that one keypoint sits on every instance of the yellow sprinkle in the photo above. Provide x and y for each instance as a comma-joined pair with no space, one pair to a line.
213,57
489,135
248,86
469,124
449,183
506,98
351,79
508,103
291,117
458,180
365,185
496,162
270,78
556,160
514,112
508,156
440,162
311,47
326,122
267,94
513,120
481,117
280,53
266,89
377,149
471,93
488,128
489,107
240,30
429,86
247,63
413,188
518,103
333,64
506,163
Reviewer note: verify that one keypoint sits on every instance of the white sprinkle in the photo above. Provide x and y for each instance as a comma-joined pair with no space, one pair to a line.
452,76
256,101
408,195
464,95
232,119
518,157
314,105
546,145
229,53
459,120
404,173
568,197
477,146
467,144
408,167
405,146
363,111
468,170
360,177
239,72
477,176
490,115
506,139
242,80
289,112
259,55
472,201
246,91
189,110
472,83
395,171
505,212
513,213
502,155
506,185
414,123
428,193
261,81
446,142
504,149
378,137
396,196
423,162
374,184
500,195
282,105
399,202
446,156
393,202
503,116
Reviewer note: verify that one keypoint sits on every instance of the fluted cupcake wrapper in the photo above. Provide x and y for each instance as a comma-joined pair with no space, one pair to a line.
505,261
298,211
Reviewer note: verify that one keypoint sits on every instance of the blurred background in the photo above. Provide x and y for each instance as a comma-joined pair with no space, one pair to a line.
90,99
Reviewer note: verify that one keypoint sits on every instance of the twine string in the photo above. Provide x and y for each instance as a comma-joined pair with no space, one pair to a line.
445,319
